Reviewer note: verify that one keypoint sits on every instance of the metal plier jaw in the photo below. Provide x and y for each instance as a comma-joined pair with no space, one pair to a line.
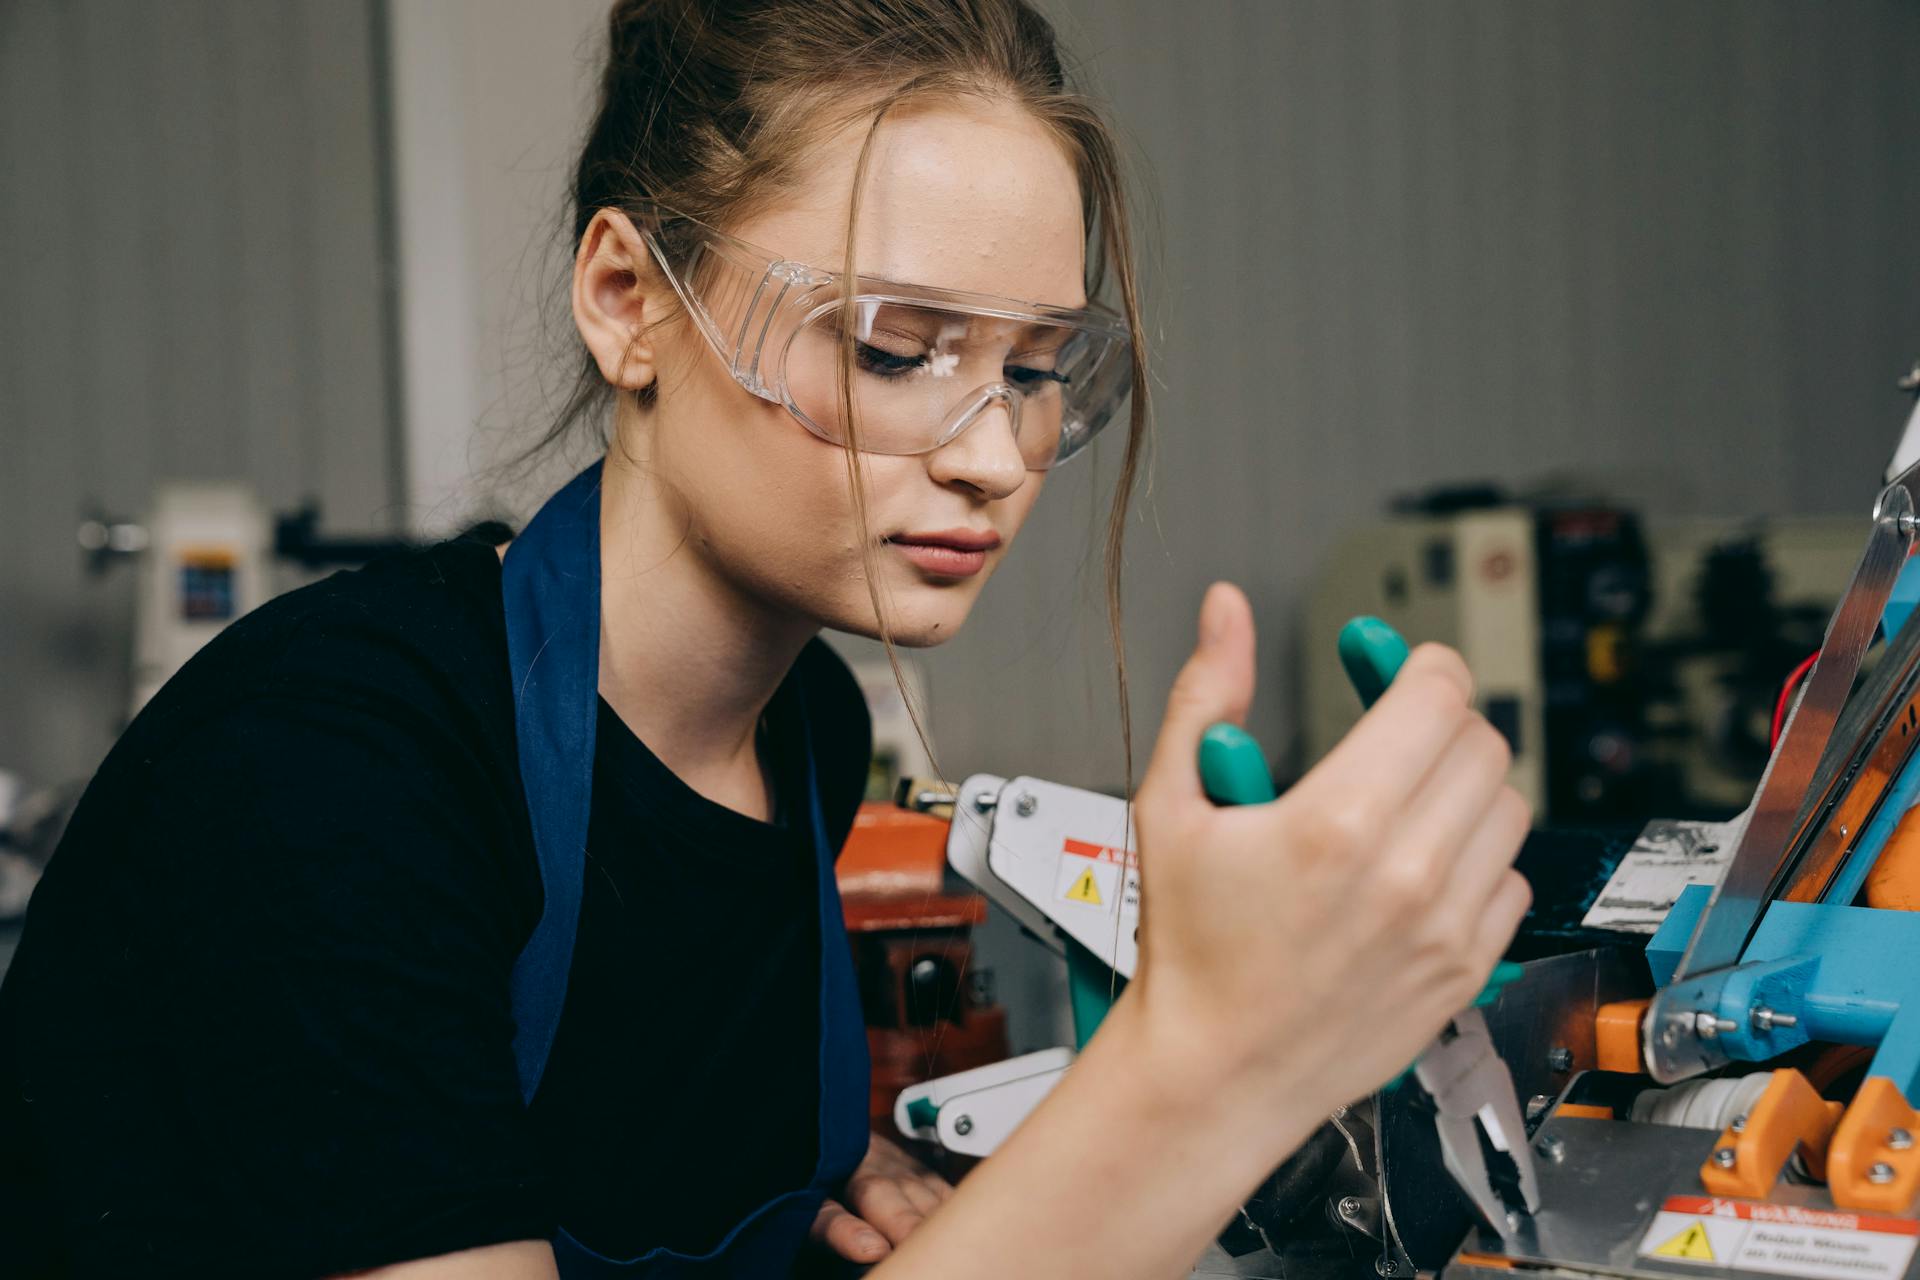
1473,1098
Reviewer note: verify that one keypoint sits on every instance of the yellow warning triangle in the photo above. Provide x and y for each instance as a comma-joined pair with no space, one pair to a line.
1691,1244
1086,889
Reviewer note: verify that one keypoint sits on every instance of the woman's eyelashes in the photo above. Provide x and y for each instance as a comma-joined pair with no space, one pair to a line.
881,363
886,364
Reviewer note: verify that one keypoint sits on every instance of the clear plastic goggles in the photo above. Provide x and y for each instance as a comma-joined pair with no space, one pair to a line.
927,363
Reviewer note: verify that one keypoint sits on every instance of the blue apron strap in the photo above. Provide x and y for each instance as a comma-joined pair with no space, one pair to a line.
550,583
845,1068
551,587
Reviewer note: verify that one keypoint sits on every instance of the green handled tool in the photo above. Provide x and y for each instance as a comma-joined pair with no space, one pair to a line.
1233,769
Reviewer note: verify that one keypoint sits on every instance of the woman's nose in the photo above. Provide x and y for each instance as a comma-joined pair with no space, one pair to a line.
985,454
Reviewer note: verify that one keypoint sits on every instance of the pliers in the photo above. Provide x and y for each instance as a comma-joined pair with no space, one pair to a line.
1475,1108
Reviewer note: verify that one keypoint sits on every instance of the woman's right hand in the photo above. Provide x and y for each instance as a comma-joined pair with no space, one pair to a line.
1319,942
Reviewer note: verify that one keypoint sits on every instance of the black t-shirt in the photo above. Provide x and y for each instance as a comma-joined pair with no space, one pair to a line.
259,1021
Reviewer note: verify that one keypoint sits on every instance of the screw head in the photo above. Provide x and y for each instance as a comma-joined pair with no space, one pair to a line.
1386,1266
963,1125
1349,1206
1560,1058
1900,1140
1553,1147
1725,1157
1739,1124
1880,1174
1026,804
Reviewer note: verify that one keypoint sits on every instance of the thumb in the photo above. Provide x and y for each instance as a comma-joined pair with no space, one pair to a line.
1216,684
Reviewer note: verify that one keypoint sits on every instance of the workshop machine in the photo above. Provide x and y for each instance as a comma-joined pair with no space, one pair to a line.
1632,663
208,551
1734,1096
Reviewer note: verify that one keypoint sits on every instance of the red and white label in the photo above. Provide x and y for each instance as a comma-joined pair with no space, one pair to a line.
1098,852
1778,1239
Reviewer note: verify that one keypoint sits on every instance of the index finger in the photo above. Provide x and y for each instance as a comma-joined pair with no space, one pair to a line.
1396,744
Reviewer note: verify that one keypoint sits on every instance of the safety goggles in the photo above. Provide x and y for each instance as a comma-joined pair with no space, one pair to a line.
927,363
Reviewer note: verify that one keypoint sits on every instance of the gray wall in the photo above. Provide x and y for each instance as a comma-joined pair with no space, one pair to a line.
190,286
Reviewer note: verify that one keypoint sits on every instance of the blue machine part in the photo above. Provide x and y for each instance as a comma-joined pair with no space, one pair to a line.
1838,971
1903,600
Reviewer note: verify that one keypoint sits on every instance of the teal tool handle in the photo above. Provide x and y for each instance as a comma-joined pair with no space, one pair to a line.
1233,769
1373,653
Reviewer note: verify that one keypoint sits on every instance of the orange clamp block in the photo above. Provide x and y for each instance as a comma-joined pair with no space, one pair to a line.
1873,1163
1616,1035
1752,1151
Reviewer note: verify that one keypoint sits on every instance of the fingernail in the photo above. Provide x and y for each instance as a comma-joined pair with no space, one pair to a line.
871,1241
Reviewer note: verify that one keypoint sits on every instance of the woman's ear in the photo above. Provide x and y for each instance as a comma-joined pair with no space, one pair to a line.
618,293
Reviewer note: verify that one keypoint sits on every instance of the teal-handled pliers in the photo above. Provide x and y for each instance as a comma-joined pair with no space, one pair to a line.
1471,1086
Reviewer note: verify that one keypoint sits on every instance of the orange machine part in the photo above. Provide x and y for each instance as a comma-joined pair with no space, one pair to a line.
892,874
893,851
1865,1141
1583,1111
1894,882
892,878
1790,1115
1492,1261
1616,1035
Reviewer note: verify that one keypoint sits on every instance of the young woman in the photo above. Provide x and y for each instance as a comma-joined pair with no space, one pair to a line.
472,915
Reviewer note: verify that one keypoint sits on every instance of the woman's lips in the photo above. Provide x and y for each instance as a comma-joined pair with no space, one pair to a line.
957,555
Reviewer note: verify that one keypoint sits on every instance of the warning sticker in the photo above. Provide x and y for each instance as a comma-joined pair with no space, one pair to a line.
1088,881
1743,1235
1691,1243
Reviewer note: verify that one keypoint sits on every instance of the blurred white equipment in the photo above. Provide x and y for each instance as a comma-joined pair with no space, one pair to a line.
208,545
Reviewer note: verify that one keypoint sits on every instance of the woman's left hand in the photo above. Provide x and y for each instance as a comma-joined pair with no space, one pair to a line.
889,1195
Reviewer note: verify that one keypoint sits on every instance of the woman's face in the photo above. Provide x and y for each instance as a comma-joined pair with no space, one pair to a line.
971,196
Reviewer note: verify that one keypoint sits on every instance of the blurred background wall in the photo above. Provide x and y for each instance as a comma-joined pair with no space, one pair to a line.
1666,248
192,284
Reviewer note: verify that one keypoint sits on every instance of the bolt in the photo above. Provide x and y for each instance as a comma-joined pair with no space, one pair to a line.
1765,1019
1707,1026
1553,1147
1386,1266
1025,804
1537,1106
1560,1058
1900,1140
1880,1174
985,802
1725,1158
1739,1124
963,1125
1349,1206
